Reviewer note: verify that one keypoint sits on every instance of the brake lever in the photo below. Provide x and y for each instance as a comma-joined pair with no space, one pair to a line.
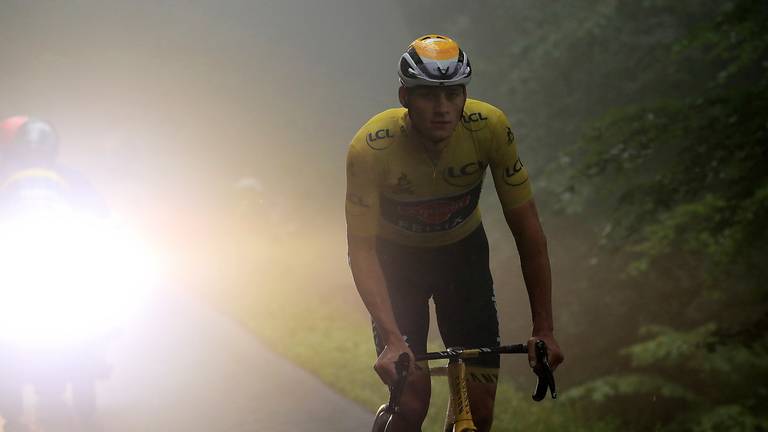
395,391
546,378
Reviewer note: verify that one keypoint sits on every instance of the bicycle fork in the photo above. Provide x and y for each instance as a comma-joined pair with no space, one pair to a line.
459,416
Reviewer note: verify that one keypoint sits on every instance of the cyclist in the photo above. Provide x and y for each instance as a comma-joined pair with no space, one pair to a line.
414,231
31,181
30,173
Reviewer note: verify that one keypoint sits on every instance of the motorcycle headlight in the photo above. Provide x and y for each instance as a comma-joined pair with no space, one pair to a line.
66,277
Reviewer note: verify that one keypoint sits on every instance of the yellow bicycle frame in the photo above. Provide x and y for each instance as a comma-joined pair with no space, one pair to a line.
459,416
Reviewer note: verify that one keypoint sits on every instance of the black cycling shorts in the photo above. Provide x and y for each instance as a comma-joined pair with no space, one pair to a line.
458,279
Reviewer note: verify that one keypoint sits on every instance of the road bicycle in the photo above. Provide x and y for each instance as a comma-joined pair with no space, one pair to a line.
459,417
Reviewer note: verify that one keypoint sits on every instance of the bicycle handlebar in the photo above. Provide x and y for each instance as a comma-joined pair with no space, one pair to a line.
465,353
543,371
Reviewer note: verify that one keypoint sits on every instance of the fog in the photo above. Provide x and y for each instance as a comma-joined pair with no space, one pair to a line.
168,106
178,100
217,128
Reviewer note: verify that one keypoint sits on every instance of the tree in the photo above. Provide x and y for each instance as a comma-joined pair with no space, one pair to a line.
692,223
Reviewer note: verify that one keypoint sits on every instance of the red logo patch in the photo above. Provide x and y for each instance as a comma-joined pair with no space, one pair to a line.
435,212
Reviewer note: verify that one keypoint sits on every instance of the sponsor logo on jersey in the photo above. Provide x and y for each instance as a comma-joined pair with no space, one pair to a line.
380,139
403,186
435,212
464,175
474,121
513,175
435,215
473,117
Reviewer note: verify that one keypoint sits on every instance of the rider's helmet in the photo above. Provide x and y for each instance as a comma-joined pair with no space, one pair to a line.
434,60
27,140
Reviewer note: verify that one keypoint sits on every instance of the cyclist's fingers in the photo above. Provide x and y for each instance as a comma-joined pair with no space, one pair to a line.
411,364
554,353
532,352
386,372
555,358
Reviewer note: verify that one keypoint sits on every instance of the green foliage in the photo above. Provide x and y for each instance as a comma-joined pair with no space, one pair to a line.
688,179
609,387
733,418
669,347
711,364
670,169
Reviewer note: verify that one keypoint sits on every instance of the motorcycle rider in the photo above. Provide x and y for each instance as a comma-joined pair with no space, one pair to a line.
32,180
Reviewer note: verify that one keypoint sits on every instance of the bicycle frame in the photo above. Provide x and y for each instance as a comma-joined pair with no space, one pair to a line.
459,416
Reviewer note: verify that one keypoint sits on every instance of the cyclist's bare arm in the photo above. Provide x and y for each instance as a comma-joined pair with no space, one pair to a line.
523,221
371,286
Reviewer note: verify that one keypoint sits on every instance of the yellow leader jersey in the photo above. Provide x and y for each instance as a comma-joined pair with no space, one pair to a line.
396,191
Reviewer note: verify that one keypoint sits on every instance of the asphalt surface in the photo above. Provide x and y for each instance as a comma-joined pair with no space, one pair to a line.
184,367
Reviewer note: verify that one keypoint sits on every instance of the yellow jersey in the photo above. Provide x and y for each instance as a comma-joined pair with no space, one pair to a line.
396,191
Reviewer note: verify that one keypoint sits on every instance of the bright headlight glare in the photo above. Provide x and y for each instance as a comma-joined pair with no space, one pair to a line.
67,277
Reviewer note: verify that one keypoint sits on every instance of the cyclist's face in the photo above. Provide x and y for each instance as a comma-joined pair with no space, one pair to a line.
434,111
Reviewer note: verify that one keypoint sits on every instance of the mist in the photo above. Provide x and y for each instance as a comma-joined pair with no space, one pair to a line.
180,110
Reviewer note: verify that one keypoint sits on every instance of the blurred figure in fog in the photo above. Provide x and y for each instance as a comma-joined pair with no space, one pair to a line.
29,169
33,183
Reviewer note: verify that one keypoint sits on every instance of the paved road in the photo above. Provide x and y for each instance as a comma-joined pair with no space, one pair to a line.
187,368
183,367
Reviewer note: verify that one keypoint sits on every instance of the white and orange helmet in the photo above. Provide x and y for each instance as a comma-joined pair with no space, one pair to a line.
434,60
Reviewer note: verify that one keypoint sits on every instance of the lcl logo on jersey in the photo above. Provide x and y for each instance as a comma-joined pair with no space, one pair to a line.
380,139
514,175
472,118
474,121
464,175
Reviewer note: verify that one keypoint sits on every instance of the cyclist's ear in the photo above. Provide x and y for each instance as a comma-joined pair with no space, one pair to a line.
403,94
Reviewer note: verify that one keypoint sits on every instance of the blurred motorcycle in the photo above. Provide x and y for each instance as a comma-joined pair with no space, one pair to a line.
70,276
69,279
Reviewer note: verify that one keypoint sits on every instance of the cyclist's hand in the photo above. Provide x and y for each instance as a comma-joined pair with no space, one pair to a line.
385,364
554,354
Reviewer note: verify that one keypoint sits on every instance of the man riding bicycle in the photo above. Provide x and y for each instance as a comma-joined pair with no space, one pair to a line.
414,176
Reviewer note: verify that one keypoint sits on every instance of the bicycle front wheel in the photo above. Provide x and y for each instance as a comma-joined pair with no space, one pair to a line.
382,419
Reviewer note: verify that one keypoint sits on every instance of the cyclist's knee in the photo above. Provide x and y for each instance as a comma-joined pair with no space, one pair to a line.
482,397
482,415
412,414
414,402
483,420
414,406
